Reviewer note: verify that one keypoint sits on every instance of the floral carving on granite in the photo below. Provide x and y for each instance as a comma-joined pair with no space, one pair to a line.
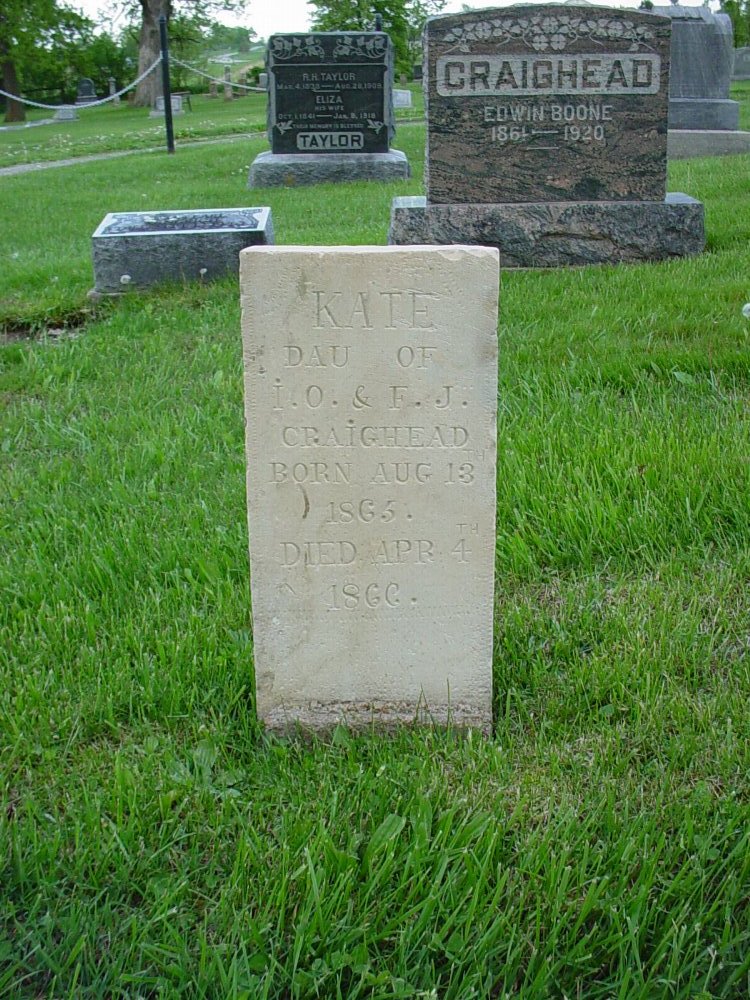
283,48
551,32
366,46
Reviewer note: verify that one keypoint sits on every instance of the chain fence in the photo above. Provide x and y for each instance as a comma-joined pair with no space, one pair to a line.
88,104
216,79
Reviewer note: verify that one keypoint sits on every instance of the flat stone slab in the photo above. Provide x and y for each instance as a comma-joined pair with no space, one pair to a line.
301,169
371,402
557,234
684,144
140,249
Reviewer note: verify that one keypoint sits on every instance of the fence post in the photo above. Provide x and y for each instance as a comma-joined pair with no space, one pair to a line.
165,82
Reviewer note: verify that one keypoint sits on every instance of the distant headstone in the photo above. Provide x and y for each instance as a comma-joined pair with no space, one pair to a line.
213,89
401,98
228,92
701,69
158,109
138,249
330,110
263,79
370,408
547,137
417,71
113,90
741,64
86,91
65,113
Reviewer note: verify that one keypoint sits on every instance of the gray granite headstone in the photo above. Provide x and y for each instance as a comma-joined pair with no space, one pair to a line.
66,113
330,110
140,249
547,137
701,68
401,98
86,91
263,80
741,64
158,109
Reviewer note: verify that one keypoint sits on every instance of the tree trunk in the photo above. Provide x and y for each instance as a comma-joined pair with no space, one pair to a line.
14,110
148,49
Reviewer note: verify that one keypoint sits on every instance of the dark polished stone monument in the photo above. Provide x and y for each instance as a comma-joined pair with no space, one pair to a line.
330,110
86,91
547,138
701,69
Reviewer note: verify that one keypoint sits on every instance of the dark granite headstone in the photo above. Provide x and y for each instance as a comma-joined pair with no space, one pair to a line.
330,110
547,138
554,103
86,91
702,51
330,93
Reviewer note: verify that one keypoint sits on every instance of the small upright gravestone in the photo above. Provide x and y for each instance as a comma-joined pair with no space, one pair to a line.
330,111
158,109
741,64
371,406
86,91
113,91
547,138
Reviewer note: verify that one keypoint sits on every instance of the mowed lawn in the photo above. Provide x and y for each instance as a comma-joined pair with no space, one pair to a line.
155,843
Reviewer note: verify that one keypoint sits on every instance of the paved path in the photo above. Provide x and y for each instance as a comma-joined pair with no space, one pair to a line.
26,168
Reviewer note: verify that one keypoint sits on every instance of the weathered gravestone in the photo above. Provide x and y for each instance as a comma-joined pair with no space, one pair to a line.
65,113
263,80
138,249
741,64
370,405
547,137
113,91
86,91
700,69
330,110
401,98
158,110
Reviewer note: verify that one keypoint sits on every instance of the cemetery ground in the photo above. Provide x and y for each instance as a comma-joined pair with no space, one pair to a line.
110,128
154,843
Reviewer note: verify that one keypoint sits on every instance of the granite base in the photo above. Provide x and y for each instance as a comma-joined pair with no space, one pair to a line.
683,144
558,234
298,169
695,113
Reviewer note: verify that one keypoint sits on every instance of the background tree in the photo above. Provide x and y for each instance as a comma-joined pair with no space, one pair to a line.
39,39
149,12
402,19
739,12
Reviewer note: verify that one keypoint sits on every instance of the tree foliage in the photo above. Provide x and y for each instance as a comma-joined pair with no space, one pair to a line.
46,46
739,13
402,19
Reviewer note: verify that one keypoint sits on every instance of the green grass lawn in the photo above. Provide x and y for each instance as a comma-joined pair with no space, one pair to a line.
109,128
154,843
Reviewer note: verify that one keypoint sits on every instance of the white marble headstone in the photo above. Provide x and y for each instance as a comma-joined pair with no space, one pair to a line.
371,399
